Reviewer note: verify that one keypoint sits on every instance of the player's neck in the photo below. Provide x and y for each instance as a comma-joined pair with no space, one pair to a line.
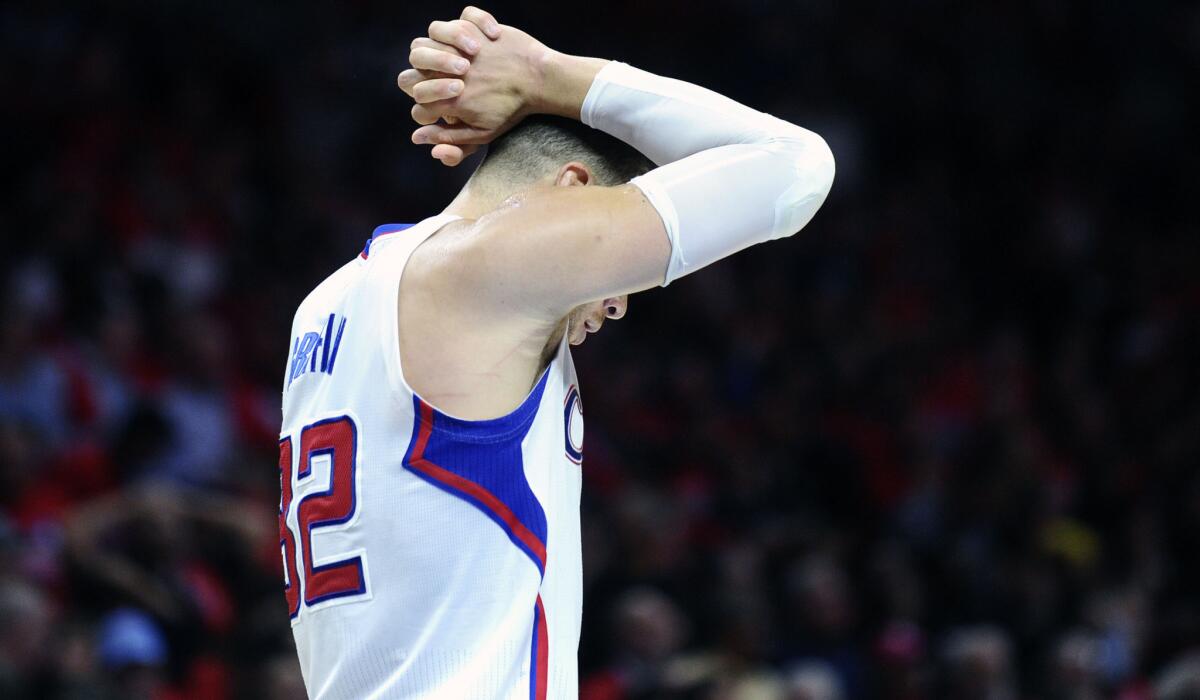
473,201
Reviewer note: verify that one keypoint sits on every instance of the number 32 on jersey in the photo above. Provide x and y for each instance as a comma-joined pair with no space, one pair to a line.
319,463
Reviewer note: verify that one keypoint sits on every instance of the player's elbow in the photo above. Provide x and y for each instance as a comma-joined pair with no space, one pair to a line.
810,172
822,163
813,161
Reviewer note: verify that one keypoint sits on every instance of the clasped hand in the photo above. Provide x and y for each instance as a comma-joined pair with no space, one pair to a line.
472,79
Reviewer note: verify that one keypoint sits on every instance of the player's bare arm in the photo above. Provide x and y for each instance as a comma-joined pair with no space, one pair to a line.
512,271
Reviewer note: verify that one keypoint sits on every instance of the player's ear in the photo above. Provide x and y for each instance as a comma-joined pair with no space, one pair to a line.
573,174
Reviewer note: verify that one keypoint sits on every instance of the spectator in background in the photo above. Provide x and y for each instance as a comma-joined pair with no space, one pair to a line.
900,656
197,405
1075,666
33,387
979,665
814,681
153,549
821,597
133,652
25,629
649,633
1180,680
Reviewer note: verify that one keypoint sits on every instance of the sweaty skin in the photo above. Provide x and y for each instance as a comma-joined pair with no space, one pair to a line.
469,356
471,361
486,296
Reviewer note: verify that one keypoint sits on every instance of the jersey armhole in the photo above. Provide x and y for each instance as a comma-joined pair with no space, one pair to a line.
401,245
484,430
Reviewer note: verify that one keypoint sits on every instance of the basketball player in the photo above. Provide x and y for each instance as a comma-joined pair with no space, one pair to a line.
432,425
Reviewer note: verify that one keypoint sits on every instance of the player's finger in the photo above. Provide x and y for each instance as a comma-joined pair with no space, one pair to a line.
408,78
449,155
427,43
428,113
482,19
458,134
423,58
435,90
464,36
452,155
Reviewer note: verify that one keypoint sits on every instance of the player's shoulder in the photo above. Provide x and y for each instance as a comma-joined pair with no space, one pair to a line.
332,286
447,257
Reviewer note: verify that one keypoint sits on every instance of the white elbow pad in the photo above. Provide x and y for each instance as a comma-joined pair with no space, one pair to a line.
722,200
729,176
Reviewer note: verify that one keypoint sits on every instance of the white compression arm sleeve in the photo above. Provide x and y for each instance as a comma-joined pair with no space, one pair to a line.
729,176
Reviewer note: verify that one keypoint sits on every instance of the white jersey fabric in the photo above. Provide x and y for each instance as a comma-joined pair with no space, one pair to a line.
425,556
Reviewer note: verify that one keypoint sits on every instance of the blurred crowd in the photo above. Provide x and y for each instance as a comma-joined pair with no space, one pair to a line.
944,444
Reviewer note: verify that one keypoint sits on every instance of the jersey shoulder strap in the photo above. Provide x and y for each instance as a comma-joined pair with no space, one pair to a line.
386,256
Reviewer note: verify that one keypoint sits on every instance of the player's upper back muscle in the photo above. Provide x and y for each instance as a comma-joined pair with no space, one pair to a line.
552,248
464,345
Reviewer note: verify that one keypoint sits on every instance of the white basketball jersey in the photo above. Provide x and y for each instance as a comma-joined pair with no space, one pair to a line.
425,556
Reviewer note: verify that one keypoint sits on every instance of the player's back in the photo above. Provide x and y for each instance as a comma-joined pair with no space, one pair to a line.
425,556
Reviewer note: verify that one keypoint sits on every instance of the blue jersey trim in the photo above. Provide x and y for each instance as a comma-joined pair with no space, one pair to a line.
382,231
489,474
389,228
500,429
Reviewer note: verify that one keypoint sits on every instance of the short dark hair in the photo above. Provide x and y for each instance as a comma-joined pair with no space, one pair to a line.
541,144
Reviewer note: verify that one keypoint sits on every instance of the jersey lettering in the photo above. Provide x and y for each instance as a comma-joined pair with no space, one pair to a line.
287,541
333,442
316,351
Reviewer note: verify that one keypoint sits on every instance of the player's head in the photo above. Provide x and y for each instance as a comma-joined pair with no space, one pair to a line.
545,150
538,150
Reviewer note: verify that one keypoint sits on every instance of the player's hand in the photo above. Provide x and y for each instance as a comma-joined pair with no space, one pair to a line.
438,65
497,89
442,64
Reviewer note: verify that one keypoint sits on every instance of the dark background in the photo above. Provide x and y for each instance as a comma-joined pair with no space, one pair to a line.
942,444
